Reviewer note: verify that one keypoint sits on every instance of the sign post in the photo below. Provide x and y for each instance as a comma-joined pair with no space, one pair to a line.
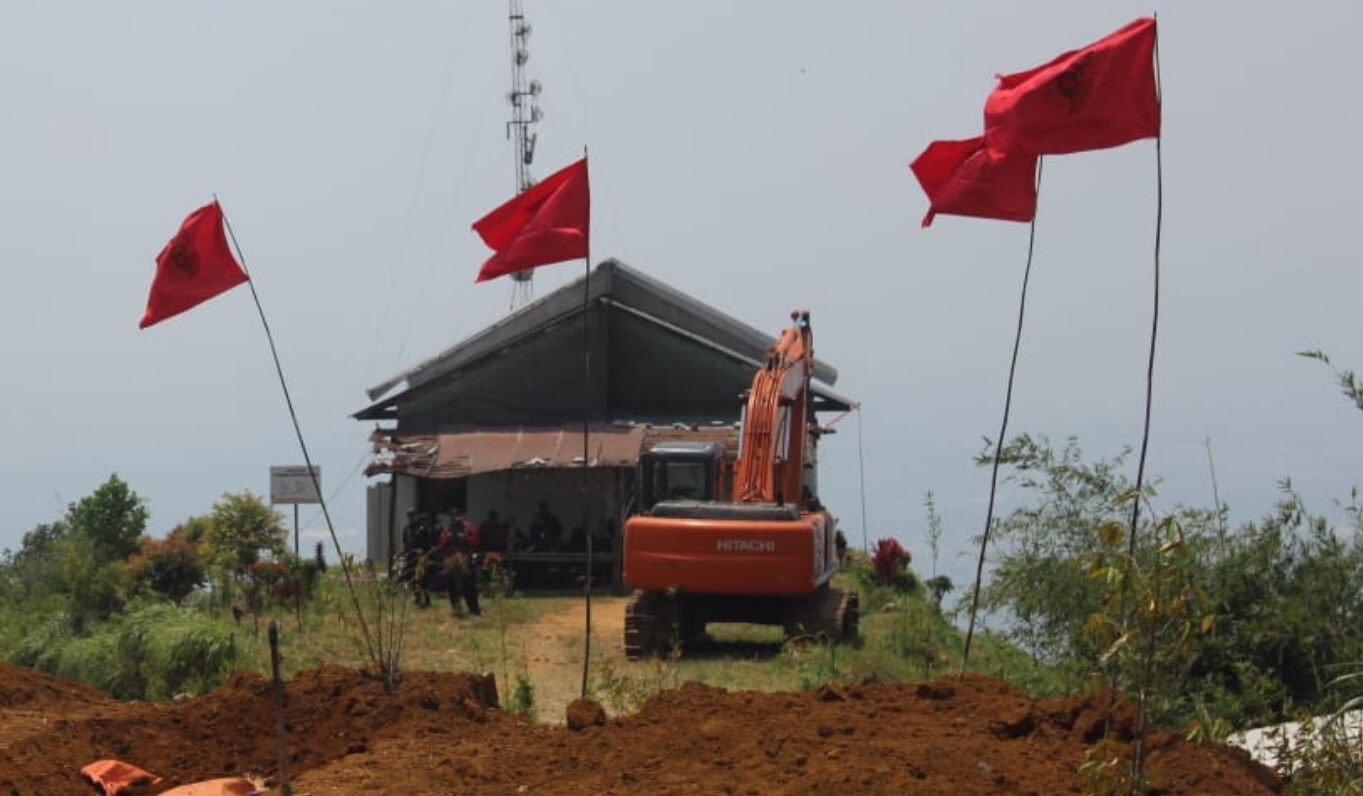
295,484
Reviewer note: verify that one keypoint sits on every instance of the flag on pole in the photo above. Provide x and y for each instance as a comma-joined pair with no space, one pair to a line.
546,223
962,178
1100,96
194,266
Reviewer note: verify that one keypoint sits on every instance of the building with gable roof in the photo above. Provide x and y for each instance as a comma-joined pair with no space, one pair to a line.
496,422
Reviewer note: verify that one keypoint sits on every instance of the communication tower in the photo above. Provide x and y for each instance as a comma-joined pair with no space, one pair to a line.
525,112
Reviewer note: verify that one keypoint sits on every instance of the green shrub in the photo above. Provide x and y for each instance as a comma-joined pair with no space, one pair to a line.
154,652
41,649
523,697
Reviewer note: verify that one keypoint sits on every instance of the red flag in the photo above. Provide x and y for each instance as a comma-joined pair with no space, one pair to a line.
195,266
962,178
546,223
1100,96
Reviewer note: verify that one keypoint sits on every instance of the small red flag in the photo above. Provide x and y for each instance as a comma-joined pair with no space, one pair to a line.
544,224
1100,96
962,178
195,266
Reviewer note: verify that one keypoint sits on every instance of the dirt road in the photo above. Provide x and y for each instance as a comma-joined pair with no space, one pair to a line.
554,650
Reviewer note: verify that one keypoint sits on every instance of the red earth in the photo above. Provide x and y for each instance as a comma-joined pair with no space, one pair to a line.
442,733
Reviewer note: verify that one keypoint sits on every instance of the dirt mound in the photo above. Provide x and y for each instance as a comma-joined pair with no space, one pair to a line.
25,688
330,712
438,735
584,713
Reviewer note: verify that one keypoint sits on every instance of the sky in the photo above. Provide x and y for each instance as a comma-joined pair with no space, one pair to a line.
754,155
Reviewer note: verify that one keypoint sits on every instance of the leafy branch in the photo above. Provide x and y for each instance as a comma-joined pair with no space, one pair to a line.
1347,380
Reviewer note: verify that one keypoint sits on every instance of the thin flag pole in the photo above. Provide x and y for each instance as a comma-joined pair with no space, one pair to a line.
861,471
1003,431
586,453
1138,755
307,460
1154,318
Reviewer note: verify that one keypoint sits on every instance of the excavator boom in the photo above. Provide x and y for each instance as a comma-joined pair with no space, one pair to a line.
772,448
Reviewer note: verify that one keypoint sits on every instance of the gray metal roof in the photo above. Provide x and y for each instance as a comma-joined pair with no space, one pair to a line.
615,288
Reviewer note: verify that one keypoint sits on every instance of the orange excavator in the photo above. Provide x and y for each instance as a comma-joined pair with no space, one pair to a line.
751,543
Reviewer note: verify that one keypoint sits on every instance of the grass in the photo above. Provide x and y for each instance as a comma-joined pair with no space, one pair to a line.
534,646
902,639
433,639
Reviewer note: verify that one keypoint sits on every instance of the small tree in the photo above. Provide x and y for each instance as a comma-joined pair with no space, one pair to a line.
112,518
31,571
239,529
89,583
1154,612
938,585
171,568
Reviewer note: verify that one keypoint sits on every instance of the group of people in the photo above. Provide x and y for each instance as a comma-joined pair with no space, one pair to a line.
446,552
442,553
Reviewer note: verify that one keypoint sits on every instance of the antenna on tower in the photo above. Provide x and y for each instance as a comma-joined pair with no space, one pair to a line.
525,111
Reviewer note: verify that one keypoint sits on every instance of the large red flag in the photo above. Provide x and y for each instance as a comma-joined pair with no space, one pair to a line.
546,223
962,178
1100,96
195,266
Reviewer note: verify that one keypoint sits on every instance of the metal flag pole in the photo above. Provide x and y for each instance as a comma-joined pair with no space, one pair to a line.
586,453
307,460
1003,431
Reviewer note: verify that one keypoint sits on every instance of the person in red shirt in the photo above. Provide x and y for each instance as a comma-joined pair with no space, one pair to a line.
459,544
494,533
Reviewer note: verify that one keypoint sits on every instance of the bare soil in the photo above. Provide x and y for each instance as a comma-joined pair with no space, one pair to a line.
441,733
553,651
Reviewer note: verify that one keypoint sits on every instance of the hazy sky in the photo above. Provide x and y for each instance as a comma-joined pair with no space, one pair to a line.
751,154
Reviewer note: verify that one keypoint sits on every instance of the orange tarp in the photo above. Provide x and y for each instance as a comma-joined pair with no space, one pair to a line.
115,776
228,786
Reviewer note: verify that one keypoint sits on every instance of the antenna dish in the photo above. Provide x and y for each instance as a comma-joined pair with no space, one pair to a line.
521,57
535,87
536,114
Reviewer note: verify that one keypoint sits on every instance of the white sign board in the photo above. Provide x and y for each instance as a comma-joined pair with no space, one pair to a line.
293,484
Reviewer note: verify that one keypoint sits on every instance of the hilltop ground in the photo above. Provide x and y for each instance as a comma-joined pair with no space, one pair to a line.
441,733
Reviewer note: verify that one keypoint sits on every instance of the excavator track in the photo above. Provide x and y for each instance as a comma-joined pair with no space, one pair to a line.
830,613
648,625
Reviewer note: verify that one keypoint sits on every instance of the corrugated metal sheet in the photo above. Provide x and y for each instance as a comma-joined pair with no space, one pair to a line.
447,456
727,434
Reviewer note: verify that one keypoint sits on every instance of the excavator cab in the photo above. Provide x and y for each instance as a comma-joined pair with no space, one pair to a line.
681,471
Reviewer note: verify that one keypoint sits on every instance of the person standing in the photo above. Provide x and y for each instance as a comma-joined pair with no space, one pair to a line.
416,559
459,544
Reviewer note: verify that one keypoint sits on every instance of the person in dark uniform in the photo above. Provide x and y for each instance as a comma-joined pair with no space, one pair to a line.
546,532
415,562
459,544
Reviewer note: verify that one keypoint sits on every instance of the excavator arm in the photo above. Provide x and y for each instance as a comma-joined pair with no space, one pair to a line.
772,447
